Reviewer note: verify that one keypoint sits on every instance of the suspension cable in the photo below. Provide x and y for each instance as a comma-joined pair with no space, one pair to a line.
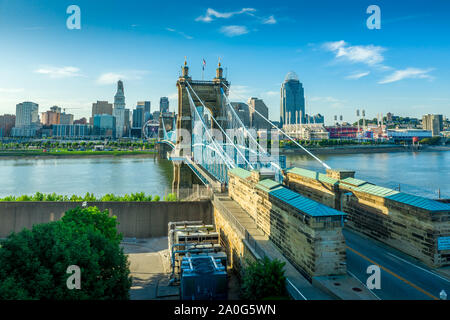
289,137
228,163
221,129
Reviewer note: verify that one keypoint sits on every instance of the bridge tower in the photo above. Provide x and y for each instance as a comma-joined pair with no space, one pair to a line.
210,93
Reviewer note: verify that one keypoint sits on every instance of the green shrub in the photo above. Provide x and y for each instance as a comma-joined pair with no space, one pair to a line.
33,263
263,279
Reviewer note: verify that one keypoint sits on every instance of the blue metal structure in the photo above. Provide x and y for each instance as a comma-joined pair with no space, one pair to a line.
221,145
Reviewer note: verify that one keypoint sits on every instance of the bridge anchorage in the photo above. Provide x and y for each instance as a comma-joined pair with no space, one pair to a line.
209,137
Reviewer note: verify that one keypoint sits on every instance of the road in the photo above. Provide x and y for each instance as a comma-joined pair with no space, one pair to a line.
402,277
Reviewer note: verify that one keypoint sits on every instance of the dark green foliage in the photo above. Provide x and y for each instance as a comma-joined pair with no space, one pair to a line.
263,279
33,263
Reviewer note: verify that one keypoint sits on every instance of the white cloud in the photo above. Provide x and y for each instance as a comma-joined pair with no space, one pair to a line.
370,54
272,93
59,72
408,73
359,75
269,20
113,77
180,33
11,90
232,31
211,14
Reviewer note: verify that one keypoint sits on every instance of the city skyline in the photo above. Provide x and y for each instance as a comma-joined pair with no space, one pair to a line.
402,68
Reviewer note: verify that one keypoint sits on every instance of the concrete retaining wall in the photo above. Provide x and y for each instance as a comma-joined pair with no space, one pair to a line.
136,219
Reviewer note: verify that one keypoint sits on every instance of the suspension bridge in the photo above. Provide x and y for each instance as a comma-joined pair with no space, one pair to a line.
208,138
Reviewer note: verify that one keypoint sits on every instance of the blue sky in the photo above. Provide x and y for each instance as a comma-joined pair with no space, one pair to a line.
403,68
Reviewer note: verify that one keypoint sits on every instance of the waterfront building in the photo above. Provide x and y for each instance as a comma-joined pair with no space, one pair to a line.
243,112
50,117
342,132
408,134
7,122
292,103
104,125
307,131
433,123
119,110
27,120
101,107
256,121
76,131
164,104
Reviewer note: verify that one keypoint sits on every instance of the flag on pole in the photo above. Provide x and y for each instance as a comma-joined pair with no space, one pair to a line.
203,64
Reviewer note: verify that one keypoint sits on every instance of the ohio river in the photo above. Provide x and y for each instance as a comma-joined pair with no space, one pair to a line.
420,173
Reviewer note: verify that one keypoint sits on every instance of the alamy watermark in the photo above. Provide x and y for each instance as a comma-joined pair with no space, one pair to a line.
374,21
374,280
74,280
74,20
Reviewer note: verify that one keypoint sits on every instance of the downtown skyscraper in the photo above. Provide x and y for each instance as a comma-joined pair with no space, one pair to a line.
292,104
119,109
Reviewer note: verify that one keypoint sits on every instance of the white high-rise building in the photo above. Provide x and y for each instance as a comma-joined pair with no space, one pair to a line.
119,109
27,119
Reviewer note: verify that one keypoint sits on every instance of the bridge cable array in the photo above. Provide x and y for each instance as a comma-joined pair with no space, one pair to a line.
284,133
220,127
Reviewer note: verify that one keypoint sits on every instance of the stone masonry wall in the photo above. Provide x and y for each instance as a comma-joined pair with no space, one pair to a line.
315,246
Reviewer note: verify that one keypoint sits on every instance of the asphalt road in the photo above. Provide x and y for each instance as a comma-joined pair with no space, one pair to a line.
402,277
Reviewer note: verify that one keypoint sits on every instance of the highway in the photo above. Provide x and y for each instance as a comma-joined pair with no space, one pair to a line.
402,277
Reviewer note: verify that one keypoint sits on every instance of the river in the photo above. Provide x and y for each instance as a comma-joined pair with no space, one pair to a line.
420,173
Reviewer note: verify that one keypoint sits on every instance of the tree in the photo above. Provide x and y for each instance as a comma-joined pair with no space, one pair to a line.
33,263
264,279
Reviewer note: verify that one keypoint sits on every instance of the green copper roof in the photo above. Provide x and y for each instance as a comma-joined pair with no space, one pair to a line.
376,190
303,204
267,185
421,202
313,175
354,182
241,173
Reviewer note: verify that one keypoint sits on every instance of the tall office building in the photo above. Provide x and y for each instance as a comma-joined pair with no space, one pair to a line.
256,121
433,123
243,112
138,116
164,104
146,105
292,104
66,118
101,107
51,117
27,120
119,110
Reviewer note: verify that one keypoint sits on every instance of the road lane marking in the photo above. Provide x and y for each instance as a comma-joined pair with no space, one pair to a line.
393,274
434,274
364,285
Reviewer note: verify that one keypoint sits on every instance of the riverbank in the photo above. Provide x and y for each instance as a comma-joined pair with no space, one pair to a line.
71,154
354,149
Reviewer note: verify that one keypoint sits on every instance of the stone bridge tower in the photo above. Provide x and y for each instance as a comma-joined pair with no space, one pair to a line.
210,93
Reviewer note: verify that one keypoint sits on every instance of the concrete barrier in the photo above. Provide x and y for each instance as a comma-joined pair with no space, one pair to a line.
136,219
